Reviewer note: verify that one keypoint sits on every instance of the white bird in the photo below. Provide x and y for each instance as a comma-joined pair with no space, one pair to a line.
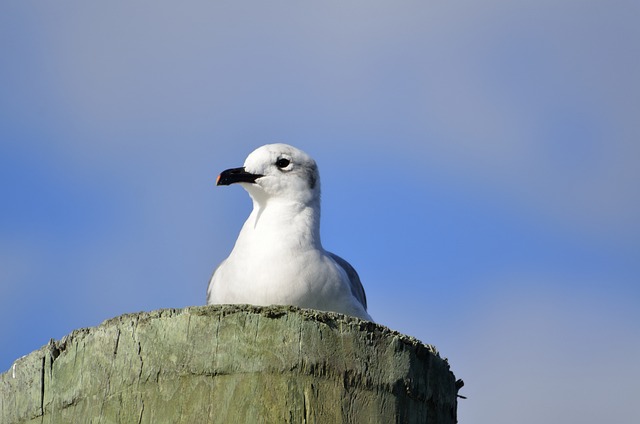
278,258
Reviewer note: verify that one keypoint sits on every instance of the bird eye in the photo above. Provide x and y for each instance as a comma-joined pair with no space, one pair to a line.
282,163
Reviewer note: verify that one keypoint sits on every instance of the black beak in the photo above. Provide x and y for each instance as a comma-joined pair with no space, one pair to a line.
236,175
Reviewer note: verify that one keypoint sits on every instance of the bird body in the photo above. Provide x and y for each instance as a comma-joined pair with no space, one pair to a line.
278,257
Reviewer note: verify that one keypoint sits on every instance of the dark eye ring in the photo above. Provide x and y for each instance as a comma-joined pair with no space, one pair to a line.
282,163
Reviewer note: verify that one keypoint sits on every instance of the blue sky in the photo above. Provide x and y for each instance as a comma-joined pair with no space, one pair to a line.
479,161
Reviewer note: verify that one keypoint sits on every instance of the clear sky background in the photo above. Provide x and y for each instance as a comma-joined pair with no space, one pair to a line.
480,167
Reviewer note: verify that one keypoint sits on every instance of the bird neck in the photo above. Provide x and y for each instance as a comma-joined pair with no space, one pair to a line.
288,222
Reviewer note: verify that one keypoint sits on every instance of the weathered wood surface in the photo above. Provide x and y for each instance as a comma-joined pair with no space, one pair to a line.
230,364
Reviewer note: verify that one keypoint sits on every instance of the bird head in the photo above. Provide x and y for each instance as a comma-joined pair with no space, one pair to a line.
277,172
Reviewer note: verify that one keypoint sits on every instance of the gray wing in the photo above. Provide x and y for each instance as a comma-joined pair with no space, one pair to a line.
354,279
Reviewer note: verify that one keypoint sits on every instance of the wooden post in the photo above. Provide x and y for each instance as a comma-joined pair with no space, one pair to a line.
231,364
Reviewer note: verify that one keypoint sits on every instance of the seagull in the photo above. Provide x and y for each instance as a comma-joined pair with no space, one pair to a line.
278,258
